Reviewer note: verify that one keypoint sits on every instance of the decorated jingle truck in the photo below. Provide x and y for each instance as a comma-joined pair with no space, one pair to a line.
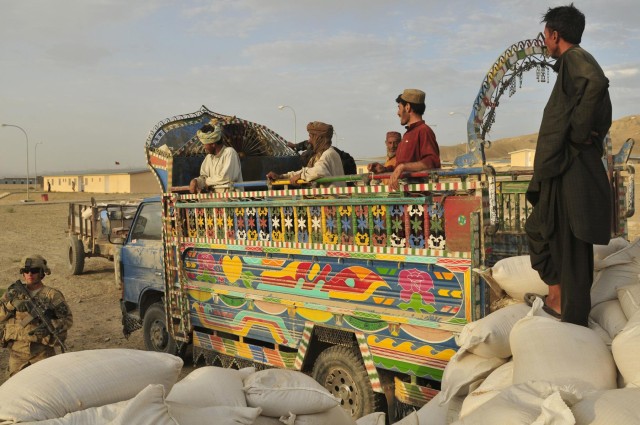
362,287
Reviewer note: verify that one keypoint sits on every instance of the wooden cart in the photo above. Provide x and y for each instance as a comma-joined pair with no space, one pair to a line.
96,230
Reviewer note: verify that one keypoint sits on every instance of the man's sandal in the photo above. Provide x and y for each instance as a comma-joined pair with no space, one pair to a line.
530,297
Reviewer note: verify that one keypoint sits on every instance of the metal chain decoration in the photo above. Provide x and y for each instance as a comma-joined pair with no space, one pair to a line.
510,66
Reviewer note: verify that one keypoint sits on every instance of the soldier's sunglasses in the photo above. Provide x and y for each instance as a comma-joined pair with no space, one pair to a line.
32,270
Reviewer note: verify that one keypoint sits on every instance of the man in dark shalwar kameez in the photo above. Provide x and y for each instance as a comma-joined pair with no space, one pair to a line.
570,190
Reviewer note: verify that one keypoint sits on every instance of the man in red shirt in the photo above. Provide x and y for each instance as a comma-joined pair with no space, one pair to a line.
418,149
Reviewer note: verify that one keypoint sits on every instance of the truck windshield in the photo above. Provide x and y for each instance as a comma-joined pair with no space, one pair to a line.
148,224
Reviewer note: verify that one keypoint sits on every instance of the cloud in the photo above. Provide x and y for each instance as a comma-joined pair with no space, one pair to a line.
622,73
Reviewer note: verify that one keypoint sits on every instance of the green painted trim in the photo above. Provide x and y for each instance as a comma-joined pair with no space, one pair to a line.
406,367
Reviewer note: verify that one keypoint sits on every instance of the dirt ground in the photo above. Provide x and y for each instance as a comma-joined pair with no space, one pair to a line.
39,228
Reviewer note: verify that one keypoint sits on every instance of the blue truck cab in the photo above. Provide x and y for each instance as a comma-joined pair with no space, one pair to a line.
140,273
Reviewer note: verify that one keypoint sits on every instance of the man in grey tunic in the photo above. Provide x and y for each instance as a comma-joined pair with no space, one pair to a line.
570,190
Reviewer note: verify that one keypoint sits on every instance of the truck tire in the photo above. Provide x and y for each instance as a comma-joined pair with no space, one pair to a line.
341,371
75,255
156,335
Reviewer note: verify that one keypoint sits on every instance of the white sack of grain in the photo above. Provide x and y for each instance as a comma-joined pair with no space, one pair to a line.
75,381
600,252
94,415
334,416
600,331
489,337
625,348
267,420
516,277
617,406
149,407
619,269
610,316
561,353
211,386
497,381
629,297
530,403
281,392
185,414
464,371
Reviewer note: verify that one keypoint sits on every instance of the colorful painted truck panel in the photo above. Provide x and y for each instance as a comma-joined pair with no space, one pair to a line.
376,267
263,272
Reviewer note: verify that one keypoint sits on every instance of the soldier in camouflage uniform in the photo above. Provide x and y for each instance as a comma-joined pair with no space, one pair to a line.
25,336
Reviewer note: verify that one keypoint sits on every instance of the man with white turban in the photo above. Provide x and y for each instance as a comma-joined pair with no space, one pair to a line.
221,167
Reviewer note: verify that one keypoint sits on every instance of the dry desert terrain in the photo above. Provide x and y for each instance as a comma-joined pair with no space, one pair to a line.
39,227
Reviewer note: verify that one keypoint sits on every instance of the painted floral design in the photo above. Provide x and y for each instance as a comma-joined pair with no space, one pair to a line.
331,224
362,239
415,281
330,238
363,223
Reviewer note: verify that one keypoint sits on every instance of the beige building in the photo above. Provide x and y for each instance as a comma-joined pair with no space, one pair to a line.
130,181
522,158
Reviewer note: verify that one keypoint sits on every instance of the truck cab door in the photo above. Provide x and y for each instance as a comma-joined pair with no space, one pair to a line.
142,254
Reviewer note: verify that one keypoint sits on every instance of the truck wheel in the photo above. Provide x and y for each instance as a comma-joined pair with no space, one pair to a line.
156,336
75,255
341,371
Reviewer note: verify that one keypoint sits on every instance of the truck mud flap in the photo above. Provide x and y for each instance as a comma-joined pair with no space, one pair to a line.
130,324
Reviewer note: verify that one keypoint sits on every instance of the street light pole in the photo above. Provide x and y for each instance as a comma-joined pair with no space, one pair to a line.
35,160
27,137
295,124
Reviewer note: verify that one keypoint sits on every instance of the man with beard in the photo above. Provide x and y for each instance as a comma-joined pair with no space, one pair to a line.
391,142
324,161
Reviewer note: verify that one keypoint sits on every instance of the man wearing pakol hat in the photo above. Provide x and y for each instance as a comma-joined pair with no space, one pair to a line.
28,339
221,167
418,149
324,160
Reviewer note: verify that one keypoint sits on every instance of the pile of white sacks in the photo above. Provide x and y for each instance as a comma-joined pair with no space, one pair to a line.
518,365
132,387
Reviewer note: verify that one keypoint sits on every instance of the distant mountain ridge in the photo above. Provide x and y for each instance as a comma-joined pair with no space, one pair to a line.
621,130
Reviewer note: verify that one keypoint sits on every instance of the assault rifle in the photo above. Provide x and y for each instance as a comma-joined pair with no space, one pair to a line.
41,312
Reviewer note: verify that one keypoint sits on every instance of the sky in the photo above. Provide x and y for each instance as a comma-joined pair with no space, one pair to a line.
88,79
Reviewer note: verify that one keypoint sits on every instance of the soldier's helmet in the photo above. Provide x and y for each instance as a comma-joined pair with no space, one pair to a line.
35,261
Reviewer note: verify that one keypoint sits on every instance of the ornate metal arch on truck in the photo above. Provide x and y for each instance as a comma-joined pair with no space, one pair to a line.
174,153
504,75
